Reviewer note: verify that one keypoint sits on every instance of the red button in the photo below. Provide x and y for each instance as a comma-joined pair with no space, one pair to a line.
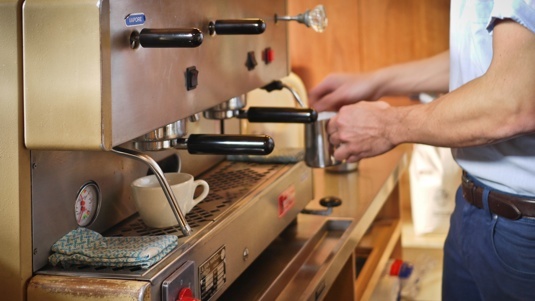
186,294
269,55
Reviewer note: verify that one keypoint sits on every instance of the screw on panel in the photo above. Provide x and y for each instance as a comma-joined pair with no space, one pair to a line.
245,254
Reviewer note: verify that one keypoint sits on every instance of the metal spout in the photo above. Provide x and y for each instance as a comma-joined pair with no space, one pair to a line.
184,226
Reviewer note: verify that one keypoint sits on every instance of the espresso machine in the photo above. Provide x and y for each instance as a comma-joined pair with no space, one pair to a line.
115,90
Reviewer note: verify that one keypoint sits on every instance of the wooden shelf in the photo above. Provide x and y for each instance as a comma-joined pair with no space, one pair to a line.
379,245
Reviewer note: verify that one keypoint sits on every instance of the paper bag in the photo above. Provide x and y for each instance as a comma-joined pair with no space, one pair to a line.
434,179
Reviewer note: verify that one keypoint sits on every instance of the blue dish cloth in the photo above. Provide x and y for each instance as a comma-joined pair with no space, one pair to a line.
84,246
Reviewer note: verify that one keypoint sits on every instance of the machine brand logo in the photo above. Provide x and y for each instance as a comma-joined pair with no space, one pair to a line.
135,19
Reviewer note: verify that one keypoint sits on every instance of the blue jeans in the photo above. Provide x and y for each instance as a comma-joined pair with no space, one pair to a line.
488,257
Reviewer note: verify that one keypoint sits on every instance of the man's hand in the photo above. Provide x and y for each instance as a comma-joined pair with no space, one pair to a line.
341,89
358,131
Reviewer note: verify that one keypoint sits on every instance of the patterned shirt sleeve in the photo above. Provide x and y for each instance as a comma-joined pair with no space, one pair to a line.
520,11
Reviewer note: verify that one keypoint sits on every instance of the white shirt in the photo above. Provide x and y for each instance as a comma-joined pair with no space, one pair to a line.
508,166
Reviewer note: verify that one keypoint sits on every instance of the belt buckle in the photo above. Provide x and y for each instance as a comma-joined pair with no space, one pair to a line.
504,208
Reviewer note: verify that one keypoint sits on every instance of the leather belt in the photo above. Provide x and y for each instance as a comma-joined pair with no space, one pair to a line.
505,205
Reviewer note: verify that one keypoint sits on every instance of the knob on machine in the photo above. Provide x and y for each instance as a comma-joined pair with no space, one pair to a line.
237,27
315,18
166,38
186,294
234,107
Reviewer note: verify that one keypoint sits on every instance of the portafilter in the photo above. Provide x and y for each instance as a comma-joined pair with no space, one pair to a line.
235,108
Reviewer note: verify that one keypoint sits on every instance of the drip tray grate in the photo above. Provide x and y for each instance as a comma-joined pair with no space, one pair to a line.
229,182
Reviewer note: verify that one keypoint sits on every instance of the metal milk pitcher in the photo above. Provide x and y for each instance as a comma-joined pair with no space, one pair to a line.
319,153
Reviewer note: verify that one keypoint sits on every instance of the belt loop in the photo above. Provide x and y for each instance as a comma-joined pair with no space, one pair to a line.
485,200
473,188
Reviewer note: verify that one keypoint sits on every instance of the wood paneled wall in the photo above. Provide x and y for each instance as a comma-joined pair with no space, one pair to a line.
364,35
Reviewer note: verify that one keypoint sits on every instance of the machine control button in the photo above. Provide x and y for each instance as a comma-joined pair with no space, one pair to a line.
251,61
248,26
268,55
192,75
181,284
169,38
186,294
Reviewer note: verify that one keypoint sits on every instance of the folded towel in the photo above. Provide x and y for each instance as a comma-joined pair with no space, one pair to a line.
84,246
283,155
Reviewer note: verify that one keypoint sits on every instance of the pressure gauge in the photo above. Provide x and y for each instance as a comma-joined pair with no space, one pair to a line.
87,204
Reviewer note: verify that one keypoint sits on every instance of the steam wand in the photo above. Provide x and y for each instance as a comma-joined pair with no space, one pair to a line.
186,229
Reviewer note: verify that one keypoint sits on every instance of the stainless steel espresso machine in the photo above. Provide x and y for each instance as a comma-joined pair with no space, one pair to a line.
115,90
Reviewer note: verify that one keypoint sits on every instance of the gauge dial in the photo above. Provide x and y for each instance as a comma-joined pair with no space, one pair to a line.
87,204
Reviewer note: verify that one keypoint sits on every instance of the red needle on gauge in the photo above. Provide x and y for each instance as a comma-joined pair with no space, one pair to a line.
82,208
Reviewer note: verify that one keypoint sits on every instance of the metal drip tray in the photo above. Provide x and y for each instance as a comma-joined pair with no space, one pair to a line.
303,261
231,183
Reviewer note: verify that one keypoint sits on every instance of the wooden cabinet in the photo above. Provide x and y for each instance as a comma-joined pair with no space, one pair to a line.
364,35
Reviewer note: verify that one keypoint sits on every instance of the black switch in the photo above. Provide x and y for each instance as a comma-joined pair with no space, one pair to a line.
251,61
192,75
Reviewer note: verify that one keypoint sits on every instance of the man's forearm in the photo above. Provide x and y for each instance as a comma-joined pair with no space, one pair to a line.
496,106
426,75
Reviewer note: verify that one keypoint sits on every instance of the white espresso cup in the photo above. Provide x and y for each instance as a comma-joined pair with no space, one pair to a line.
153,206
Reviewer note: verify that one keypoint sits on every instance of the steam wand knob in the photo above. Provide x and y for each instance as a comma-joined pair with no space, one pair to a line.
315,18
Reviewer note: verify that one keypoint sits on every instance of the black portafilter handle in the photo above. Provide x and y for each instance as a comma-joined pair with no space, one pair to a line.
279,115
227,144
245,26
170,38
